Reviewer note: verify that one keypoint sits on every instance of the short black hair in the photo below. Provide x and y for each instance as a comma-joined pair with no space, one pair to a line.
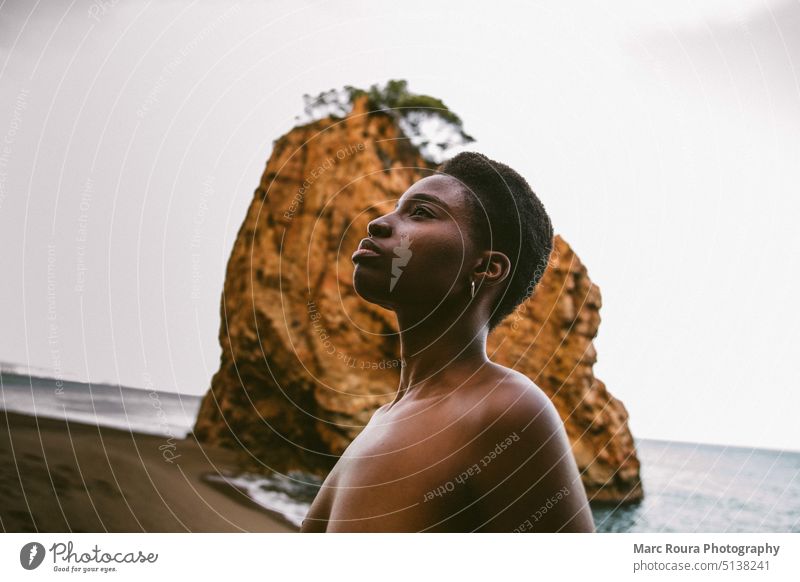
508,217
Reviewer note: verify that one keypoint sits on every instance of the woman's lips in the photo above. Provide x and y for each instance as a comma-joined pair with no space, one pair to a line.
364,253
367,248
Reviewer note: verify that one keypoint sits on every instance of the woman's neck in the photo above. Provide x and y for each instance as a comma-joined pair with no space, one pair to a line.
437,357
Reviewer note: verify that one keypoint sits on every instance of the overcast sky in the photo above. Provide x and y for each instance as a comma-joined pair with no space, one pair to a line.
663,139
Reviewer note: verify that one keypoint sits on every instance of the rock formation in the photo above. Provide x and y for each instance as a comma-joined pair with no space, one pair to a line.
305,361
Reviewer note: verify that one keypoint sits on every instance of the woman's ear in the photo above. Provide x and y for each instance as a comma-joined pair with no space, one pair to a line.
493,268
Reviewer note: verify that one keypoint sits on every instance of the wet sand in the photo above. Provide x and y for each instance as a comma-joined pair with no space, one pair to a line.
70,477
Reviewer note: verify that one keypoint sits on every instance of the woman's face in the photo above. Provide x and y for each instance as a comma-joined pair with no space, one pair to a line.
422,253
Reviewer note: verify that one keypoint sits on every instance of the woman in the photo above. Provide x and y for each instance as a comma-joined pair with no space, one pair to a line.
466,444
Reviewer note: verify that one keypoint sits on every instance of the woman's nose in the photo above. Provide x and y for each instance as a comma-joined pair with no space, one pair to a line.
379,227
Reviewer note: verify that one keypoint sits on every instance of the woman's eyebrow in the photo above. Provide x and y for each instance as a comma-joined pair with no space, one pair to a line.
427,197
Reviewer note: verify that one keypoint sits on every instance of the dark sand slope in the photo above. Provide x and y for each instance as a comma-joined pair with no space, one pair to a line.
64,477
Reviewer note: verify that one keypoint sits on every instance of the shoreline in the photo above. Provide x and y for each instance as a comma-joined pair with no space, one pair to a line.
64,476
240,495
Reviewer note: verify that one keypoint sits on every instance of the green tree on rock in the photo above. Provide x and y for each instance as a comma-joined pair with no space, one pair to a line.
429,124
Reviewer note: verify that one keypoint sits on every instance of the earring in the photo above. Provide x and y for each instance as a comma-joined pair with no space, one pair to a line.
472,287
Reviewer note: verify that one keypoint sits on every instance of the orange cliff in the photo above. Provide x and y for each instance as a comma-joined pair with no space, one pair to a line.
305,361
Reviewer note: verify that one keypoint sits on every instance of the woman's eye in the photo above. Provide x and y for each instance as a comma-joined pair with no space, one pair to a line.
425,212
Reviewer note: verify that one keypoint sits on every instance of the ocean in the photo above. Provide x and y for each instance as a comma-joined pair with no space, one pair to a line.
688,487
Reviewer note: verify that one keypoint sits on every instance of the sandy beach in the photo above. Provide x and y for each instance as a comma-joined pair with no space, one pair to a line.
70,477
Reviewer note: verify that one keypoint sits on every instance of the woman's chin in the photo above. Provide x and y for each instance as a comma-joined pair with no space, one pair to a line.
371,287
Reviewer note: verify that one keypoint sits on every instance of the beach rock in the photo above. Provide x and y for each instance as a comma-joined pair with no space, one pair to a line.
305,361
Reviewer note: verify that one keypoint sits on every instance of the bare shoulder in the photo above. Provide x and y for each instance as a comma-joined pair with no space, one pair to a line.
514,401
526,463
